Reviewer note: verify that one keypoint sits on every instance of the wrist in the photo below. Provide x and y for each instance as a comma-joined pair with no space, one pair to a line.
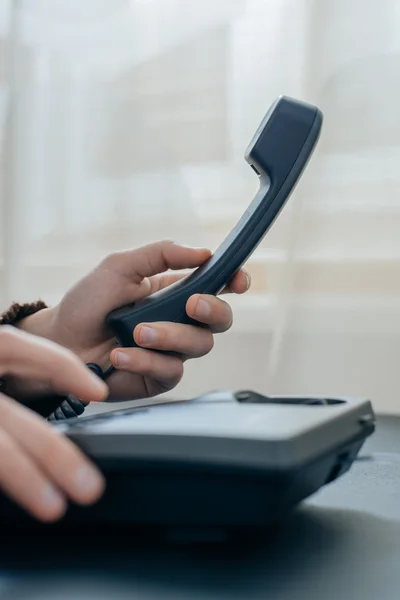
46,324
39,323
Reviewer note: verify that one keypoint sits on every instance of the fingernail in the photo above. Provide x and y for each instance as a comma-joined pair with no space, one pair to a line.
89,481
120,359
147,335
203,308
52,497
248,280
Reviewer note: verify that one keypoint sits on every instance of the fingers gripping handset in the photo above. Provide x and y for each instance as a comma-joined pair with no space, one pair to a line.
278,153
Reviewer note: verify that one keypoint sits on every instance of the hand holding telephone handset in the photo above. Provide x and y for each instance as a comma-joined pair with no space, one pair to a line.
278,153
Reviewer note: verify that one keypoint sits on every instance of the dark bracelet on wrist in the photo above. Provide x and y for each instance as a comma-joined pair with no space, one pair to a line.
17,312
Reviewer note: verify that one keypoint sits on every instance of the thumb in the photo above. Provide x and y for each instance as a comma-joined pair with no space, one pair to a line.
138,264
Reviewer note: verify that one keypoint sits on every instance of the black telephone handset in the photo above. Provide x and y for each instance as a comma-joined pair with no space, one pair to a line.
278,153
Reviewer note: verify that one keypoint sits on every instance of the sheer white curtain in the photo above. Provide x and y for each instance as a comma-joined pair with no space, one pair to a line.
126,121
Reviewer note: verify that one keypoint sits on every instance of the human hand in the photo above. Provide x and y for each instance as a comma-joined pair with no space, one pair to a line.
40,468
78,322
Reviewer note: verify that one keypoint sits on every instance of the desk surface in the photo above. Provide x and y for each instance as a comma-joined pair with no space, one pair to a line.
342,543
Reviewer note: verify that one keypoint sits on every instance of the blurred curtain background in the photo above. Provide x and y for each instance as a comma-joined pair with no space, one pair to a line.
122,122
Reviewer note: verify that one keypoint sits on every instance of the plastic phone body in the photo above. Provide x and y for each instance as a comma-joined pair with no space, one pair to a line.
226,459
278,153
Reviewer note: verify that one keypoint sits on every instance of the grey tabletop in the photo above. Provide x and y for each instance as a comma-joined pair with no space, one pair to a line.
342,543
